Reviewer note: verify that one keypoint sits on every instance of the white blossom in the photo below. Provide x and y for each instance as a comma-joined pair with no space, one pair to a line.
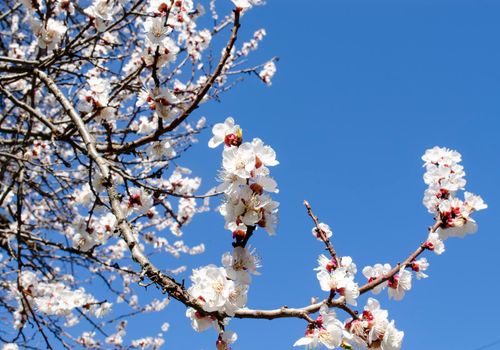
224,340
241,264
374,272
103,309
210,283
324,228
156,30
327,331
267,73
102,13
399,284
10,346
373,329
435,243
49,35
419,266
339,280
227,132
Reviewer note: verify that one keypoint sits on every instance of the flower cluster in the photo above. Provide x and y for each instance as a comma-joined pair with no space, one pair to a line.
169,17
160,100
398,284
245,181
101,13
213,287
95,99
245,178
338,279
222,289
53,298
267,72
49,34
139,200
373,329
87,234
327,330
445,176
253,43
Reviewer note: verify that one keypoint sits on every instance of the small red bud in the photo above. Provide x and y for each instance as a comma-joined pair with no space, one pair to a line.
257,188
393,282
134,199
65,5
332,265
367,315
429,245
163,7
239,234
262,222
258,163
319,321
230,140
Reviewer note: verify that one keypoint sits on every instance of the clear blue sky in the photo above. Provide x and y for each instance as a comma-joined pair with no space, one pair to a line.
363,88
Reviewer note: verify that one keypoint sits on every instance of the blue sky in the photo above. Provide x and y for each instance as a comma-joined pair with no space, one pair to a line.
363,88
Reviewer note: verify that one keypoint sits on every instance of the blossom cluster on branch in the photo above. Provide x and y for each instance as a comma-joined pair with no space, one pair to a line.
445,176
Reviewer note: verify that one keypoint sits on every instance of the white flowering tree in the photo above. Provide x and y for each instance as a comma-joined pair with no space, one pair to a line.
96,100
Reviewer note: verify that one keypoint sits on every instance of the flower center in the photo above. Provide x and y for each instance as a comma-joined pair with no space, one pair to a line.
218,287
